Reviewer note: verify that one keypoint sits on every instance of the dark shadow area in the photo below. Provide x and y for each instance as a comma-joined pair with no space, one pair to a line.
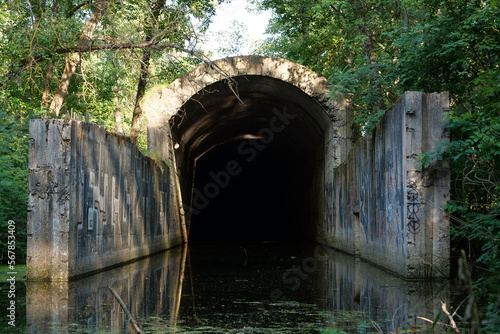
258,199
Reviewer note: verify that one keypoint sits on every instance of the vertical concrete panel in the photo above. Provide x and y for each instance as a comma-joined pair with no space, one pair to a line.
48,199
416,231
386,208
436,183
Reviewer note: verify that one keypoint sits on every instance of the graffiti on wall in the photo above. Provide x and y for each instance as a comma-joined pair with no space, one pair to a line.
412,207
329,207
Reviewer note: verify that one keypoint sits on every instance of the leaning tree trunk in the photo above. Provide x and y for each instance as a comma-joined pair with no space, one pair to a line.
73,58
62,89
118,112
141,90
46,85
143,79
371,56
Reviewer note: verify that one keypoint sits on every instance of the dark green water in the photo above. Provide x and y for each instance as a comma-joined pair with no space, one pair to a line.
237,288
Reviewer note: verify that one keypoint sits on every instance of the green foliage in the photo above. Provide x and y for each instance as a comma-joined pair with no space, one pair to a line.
458,48
13,158
492,324
4,272
347,41
231,42
331,331
14,126
448,47
32,37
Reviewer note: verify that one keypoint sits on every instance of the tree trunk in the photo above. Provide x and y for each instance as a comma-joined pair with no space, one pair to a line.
371,55
118,113
141,89
62,90
143,78
72,59
46,85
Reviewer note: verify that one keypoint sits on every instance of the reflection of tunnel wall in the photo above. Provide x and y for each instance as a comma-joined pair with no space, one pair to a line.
251,170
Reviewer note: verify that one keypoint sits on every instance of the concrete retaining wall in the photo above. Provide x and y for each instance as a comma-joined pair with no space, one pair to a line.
380,205
95,201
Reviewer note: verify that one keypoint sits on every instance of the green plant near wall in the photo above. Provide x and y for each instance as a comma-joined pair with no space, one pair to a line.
15,113
13,181
474,156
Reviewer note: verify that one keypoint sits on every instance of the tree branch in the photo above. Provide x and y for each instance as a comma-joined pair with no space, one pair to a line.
76,8
122,46
125,309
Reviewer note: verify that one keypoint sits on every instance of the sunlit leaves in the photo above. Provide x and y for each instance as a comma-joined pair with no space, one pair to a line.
231,42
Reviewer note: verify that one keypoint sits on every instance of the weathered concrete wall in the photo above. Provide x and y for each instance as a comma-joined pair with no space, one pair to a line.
380,205
95,201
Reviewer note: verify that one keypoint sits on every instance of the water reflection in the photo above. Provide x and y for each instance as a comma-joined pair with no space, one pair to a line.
237,288
149,287
375,298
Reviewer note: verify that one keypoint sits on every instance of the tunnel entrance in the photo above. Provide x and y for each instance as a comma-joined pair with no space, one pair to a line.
251,163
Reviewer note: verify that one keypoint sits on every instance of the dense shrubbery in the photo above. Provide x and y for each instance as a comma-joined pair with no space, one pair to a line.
14,126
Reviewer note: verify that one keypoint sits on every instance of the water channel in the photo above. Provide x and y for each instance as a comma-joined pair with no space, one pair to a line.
252,287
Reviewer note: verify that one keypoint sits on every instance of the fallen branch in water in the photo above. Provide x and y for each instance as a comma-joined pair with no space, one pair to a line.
452,324
124,307
433,321
450,317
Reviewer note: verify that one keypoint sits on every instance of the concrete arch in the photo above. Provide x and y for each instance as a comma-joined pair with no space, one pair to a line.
205,112
163,104
169,100
311,178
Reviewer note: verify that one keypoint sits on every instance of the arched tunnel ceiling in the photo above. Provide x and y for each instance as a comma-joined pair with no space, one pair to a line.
274,133
165,102
262,83
264,107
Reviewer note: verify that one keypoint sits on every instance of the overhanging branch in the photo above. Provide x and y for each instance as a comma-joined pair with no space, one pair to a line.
123,46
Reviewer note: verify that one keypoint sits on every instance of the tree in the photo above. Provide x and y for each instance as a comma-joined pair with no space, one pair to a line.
143,76
72,41
348,42
458,48
72,59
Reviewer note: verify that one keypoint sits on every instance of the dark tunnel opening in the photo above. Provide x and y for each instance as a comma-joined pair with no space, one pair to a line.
254,196
251,166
